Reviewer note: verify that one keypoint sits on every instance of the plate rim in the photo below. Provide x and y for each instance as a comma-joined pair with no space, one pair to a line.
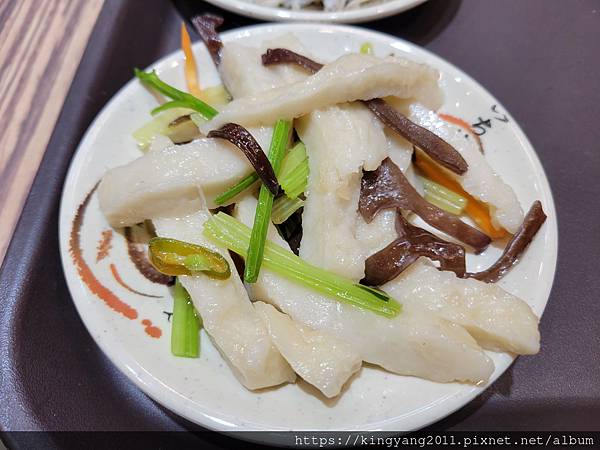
359,15
124,362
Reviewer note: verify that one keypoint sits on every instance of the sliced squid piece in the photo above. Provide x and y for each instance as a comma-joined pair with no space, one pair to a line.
165,182
479,180
350,77
497,320
322,360
415,342
227,313
243,73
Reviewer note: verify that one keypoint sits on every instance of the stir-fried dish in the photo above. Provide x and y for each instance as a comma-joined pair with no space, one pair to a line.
285,204
318,5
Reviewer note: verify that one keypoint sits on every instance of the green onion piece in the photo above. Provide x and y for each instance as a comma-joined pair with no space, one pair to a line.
366,48
183,98
443,197
169,105
293,175
284,207
262,217
227,231
236,189
185,325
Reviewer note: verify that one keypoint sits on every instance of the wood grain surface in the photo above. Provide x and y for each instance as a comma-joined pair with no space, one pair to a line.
41,43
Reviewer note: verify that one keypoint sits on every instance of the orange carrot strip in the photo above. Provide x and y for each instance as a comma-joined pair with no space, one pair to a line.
478,211
191,75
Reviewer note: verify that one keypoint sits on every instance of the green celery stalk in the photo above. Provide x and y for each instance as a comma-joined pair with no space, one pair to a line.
262,217
236,189
181,99
294,171
292,177
185,325
284,207
443,197
227,231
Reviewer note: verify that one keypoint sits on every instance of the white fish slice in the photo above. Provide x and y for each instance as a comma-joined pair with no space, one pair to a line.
414,343
350,77
165,182
497,320
480,180
243,73
342,141
227,313
321,360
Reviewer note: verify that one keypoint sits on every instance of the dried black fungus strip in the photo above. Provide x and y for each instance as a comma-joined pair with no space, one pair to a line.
139,257
412,243
533,221
429,142
285,56
432,144
206,26
387,187
242,139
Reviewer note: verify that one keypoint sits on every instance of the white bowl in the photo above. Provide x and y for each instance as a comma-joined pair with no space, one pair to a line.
204,390
364,14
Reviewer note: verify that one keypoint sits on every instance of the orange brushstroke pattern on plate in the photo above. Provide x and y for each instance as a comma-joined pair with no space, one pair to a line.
118,279
85,273
104,245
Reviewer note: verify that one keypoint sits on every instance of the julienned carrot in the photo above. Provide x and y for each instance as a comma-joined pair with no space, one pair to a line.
191,74
475,209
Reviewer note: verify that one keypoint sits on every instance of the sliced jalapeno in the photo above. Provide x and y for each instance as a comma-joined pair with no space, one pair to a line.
173,257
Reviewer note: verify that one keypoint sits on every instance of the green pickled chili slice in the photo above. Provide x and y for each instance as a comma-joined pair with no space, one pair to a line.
174,257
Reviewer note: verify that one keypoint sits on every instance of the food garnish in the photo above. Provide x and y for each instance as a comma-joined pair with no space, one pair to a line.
206,25
429,142
182,130
185,325
179,98
475,209
443,198
412,243
227,231
387,187
190,71
284,207
242,139
236,189
533,221
262,217
293,175
174,257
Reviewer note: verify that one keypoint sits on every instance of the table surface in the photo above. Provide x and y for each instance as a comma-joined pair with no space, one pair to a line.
41,44
539,58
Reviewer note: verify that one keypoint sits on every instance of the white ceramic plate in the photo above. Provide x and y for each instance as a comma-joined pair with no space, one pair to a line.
364,14
204,390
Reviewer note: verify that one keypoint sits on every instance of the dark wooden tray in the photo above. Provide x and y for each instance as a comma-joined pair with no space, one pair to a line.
540,58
